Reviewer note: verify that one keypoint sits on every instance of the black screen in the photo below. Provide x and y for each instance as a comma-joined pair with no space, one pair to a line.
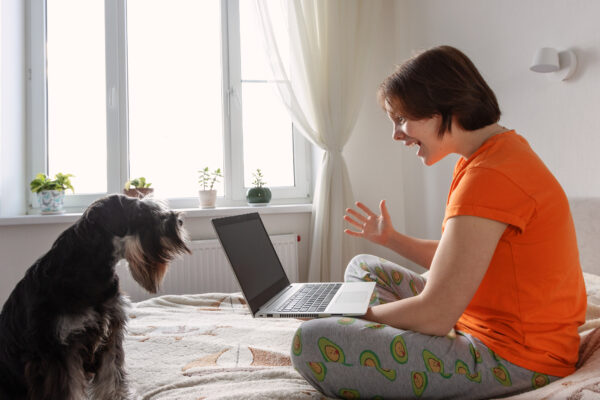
252,257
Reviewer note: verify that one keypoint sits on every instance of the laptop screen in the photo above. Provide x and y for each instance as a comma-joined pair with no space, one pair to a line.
252,257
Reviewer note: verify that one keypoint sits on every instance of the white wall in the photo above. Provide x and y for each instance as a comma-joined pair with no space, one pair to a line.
559,119
501,36
372,163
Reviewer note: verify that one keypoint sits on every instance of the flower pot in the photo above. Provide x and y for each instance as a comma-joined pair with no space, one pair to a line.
258,196
51,201
208,198
140,193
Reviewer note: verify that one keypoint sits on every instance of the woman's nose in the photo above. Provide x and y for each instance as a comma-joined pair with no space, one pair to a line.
398,134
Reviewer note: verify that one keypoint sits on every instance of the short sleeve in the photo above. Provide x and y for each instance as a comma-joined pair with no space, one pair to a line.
487,193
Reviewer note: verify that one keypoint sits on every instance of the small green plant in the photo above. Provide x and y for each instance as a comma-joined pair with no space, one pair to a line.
208,179
42,182
258,194
258,178
138,183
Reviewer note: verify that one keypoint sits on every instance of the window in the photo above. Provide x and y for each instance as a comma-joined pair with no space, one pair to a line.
76,92
175,91
160,89
264,115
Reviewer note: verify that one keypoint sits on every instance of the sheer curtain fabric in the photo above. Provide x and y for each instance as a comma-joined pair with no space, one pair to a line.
321,80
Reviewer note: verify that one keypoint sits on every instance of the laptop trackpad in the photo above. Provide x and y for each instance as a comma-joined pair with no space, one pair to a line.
352,297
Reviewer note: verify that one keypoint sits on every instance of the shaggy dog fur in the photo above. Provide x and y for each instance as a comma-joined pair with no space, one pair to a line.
61,329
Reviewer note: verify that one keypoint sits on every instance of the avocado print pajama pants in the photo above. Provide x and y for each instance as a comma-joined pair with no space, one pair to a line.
353,358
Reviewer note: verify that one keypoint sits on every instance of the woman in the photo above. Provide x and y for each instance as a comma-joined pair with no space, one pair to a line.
499,311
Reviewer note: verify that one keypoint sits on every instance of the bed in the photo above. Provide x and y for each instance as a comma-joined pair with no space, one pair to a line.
208,346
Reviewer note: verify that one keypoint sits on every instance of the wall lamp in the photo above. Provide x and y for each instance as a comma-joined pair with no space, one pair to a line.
557,65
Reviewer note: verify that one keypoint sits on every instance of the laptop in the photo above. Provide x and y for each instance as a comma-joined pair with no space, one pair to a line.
265,285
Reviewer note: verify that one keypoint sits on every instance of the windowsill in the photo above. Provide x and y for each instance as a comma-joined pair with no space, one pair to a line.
69,218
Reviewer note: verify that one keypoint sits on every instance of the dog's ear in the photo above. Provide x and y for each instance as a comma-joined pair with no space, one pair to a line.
112,213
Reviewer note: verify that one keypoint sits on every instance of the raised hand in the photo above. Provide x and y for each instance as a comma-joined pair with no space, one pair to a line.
376,228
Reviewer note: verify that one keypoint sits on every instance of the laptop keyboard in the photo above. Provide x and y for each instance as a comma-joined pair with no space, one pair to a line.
311,298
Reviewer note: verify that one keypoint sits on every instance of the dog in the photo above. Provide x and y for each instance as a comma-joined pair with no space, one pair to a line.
62,327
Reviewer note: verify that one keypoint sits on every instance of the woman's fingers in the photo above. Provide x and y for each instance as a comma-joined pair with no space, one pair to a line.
384,211
356,215
353,233
353,222
365,209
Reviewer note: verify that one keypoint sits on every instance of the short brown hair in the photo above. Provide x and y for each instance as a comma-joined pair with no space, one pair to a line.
442,81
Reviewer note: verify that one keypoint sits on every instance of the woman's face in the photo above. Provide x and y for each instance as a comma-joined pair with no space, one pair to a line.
422,133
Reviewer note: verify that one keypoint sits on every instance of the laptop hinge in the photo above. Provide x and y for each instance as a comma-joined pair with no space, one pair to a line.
275,298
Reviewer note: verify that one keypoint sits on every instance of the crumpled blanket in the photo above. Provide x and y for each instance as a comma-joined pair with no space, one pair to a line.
589,345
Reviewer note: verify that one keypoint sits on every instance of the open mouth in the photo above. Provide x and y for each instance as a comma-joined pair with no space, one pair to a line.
412,142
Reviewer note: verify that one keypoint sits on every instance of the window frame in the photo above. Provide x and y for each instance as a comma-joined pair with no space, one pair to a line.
117,113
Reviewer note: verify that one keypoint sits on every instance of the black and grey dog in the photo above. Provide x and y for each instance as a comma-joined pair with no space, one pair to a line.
62,328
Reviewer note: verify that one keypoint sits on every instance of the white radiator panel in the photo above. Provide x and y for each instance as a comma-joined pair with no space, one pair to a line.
207,270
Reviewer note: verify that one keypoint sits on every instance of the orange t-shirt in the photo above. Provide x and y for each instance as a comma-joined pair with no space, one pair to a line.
532,297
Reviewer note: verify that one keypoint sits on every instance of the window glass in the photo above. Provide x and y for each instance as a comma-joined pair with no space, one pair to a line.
267,126
76,81
175,93
265,121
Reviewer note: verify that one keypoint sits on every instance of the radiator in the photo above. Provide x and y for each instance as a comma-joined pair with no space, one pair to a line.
207,270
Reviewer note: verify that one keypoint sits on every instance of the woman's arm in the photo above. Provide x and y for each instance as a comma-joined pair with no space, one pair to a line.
460,262
378,229
420,251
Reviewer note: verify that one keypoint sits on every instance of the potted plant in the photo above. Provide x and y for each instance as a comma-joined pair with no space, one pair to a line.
138,187
258,194
51,192
208,194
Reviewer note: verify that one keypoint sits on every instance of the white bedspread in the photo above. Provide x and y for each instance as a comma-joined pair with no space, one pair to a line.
209,347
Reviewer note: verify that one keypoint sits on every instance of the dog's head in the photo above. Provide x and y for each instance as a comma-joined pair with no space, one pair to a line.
146,233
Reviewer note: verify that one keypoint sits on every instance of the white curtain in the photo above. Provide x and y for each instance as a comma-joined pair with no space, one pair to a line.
322,87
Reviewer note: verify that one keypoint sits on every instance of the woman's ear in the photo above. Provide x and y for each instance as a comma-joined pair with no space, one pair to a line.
441,126
455,126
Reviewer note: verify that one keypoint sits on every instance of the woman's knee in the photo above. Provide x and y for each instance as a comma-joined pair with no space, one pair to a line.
359,266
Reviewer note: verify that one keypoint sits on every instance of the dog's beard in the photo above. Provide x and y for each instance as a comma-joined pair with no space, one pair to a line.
153,237
148,275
